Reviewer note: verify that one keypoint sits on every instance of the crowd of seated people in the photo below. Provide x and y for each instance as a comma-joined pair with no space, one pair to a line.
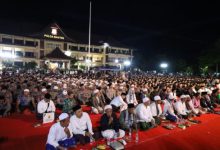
141,101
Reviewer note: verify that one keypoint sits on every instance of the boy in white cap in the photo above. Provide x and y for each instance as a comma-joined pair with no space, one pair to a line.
156,109
144,115
60,135
110,126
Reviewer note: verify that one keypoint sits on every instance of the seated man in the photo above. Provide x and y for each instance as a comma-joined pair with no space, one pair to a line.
144,115
180,107
206,102
5,106
197,105
110,126
168,110
118,103
60,135
25,101
97,103
131,97
60,99
156,109
45,106
128,118
81,125
190,106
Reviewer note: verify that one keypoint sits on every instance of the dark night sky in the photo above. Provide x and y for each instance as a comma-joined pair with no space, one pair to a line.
178,29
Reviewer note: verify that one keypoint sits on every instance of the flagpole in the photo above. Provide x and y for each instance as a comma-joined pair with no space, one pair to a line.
90,14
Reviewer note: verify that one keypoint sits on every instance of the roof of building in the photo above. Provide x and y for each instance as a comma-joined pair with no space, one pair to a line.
23,29
56,54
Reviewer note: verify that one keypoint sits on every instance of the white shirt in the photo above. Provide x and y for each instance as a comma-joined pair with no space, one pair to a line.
131,98
168,108
42,106
118,101
154,109
79,125
203,90
144,113
57,133
180,107
192,107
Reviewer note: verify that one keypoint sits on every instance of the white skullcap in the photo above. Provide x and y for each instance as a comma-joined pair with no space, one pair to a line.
107,107
121,87
209,92
95,91
63,116
132,89
218,86
55,87
59,82
65,92
64,86
43,90
187,96
26,90
146,99
132,85
157,98
144,90
73,84
183,96
171,96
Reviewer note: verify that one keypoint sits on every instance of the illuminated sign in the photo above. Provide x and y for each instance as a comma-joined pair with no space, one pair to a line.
54,31
53,35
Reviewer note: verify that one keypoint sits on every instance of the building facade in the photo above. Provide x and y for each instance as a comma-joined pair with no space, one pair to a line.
18,50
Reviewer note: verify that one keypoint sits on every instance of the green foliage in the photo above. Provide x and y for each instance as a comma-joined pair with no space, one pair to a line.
73,61
7,63
30,65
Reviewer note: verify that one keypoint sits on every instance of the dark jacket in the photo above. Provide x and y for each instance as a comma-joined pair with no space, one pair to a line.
114,125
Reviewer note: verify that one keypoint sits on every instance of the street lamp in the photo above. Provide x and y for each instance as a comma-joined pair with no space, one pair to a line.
88,62
164,67
116,60
127,63
105,45
68,53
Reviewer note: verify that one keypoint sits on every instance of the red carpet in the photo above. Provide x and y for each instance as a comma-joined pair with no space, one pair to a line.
17,132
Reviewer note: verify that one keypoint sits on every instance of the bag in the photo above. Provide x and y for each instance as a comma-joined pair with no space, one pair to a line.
117,145
144,126
48,117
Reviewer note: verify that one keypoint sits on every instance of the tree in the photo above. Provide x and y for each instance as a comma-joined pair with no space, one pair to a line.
210,57
204,70
180,65
7,63
189,70
73,61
